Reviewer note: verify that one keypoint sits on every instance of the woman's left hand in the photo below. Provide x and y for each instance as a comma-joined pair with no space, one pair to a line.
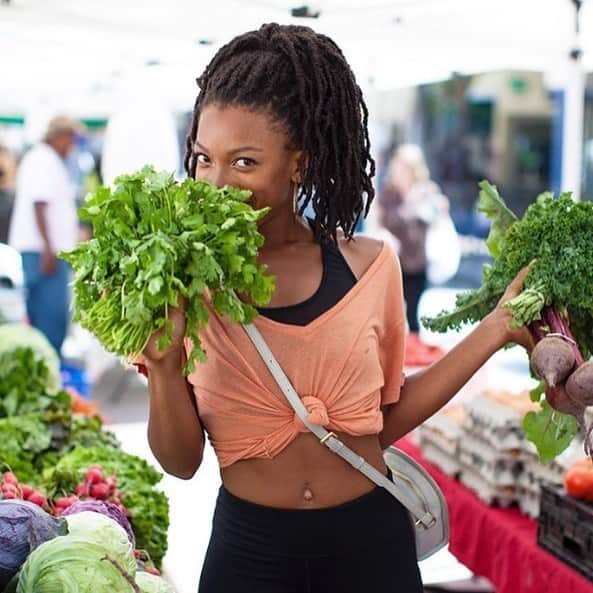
502,317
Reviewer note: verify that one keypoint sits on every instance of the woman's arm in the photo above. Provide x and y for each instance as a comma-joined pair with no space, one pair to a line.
426,392
175,433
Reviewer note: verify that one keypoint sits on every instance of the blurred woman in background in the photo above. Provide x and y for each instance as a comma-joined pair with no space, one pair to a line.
410,204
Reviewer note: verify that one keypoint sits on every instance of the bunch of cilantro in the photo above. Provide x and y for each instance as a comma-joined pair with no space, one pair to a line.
155,239
558,290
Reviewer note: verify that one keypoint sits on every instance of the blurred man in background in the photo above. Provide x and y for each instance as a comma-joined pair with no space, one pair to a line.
45,222
7,180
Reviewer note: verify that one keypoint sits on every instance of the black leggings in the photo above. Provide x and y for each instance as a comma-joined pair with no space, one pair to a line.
363,546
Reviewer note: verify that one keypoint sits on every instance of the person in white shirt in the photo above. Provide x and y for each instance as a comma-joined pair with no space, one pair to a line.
44,222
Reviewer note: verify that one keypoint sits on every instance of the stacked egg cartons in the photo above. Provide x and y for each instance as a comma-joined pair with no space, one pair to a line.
490,450
439,439
483,445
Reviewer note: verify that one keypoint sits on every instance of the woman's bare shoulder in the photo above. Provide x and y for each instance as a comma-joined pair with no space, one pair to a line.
360,253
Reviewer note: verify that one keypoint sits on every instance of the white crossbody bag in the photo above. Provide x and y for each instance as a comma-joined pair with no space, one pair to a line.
412,485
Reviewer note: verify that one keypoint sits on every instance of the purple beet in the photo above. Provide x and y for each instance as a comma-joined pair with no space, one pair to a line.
560,401
579,385
552,359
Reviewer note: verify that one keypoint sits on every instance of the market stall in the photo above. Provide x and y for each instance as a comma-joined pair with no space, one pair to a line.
499,543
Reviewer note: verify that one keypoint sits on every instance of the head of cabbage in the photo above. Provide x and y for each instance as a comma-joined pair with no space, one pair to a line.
70,564
23,527
150,583
105,531
19,335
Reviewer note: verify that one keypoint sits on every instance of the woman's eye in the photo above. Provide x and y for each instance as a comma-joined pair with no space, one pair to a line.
202,158
244,162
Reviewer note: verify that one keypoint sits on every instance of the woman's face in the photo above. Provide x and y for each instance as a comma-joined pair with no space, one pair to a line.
247,149
401,175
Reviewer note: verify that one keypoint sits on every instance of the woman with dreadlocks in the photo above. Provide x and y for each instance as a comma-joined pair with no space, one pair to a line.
279,113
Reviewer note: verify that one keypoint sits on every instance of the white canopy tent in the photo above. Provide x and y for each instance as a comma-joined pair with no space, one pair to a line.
76,53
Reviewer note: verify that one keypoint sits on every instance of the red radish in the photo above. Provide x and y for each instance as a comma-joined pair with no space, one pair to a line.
26,491
38,499
82,489
93,476
9,491
152,570
579,385
111,482
10,478
63,502
552,359
100,491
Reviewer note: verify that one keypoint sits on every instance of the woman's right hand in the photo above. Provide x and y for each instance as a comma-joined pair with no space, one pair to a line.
173,352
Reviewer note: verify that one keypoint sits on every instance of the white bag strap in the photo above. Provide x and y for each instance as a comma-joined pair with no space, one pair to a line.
329,439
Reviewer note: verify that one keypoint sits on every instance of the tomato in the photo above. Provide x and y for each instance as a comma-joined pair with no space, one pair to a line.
578,482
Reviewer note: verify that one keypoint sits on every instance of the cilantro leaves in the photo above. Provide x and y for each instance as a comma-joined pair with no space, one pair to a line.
155,239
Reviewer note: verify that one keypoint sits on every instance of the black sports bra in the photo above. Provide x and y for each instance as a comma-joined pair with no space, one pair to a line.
337,279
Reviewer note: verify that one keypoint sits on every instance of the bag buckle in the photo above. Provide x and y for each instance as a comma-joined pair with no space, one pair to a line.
427,521
327,436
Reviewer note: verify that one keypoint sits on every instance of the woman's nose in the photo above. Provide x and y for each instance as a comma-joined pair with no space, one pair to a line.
215,175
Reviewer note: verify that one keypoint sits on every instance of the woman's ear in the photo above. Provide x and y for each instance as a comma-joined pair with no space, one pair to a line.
300,163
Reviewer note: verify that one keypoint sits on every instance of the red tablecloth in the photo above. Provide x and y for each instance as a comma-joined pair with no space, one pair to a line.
500,544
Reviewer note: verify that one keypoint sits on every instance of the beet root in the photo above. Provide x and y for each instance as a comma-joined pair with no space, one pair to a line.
552,359
579,385
560,401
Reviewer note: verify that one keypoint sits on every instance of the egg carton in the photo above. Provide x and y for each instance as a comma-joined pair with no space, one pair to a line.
427,435
446,463
485,410
504,496
481,447
448,423
529,502
500,438
498,475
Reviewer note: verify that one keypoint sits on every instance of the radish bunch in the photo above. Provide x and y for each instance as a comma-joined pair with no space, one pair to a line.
12,489
95,486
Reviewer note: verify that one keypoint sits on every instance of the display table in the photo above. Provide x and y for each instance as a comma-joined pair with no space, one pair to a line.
499,544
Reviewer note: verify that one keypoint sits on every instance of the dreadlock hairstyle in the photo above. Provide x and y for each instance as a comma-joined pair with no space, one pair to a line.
303,81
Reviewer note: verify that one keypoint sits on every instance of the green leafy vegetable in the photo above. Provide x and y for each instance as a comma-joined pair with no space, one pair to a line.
555,237
19,335
550,430
555,232
25,384
493,206
154,239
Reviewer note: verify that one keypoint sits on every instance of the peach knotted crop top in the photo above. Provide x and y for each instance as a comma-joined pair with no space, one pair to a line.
345,364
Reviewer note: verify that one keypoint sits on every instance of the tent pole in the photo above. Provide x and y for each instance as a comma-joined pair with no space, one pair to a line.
572,136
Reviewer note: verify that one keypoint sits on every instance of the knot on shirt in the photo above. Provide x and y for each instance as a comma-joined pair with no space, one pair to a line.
317,413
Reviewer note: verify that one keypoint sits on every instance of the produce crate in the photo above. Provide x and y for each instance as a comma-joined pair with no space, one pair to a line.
76,378
565,528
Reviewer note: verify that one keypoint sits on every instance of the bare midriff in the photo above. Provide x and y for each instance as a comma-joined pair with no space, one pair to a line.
305,475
